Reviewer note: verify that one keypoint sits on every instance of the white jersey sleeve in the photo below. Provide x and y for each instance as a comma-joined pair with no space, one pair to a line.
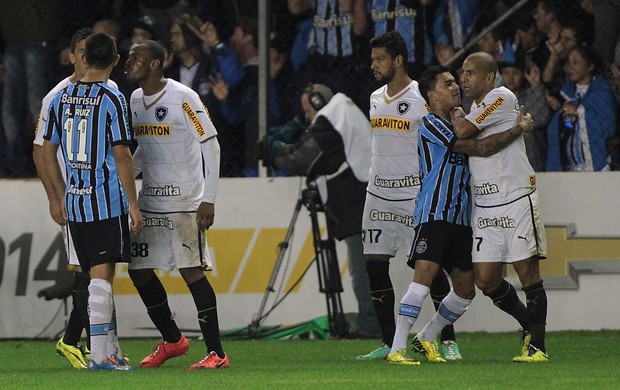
197,117
45,109
507,175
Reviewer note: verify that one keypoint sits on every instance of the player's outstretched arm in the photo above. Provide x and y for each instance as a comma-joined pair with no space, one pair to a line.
124,165
492,144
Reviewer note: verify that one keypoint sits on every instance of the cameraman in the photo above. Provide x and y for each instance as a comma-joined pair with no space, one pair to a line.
332,145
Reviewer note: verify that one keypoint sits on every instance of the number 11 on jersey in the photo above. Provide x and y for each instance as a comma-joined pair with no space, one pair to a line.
82,126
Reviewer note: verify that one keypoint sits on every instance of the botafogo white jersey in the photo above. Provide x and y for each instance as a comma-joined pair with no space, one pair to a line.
506,175
169,127
395,121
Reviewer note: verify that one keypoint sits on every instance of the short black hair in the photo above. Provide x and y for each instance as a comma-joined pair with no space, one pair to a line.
428,80
591,56
394,44
149,25
78,36
100,50
155,49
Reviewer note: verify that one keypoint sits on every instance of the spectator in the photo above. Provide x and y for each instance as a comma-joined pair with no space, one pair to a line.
26,60
606,14
525,84
547,18
553,74
551,17
581,126
419,22
194,67
337,55
459,17
240,104
145,28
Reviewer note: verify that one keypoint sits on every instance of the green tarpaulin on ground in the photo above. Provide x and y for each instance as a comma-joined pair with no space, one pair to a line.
317,328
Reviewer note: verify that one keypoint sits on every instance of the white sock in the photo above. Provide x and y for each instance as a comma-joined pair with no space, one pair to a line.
100,306
451,309
113,346
408,312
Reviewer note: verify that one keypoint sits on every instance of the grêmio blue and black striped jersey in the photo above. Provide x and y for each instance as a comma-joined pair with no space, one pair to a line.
87,120
444,193
332,29
420,26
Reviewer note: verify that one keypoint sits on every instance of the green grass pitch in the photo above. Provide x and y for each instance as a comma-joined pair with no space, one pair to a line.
579,360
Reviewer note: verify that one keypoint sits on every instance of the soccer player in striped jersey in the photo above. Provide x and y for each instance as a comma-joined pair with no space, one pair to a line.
89,121
396,111
442,216
507,225
179,157
68,345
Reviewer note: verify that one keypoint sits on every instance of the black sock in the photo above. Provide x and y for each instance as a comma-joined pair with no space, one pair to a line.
439,290
505,297
74,324
206,304
155,299
382,293
536,298
80,303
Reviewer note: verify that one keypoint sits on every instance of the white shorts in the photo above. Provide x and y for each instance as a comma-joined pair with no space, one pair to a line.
387,226
72,257
168,241
509,233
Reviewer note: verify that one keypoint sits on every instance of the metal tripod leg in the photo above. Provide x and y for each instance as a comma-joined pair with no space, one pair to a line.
282,247
327,266
328,270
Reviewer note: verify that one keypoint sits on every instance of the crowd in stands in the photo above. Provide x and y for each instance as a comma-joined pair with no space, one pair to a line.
560,57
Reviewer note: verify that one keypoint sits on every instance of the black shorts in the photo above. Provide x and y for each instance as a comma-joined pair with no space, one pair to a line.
100,242
444,243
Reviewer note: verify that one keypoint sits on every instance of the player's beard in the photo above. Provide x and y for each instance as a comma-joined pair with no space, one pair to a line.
386,78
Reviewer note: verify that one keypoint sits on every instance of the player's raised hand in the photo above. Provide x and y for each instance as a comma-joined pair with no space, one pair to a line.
526,123
205,215
219,87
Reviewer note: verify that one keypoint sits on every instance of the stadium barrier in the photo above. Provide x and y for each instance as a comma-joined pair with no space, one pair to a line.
252,215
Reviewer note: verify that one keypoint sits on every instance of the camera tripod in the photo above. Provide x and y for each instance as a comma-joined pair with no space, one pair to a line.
326,259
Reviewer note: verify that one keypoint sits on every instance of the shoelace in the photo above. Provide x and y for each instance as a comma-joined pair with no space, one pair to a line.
157,348
450,347
207,358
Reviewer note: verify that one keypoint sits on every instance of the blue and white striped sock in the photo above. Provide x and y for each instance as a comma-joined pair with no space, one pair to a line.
100,307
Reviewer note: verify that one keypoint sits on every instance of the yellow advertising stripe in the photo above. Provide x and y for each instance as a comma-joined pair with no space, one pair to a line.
562,248
189,111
